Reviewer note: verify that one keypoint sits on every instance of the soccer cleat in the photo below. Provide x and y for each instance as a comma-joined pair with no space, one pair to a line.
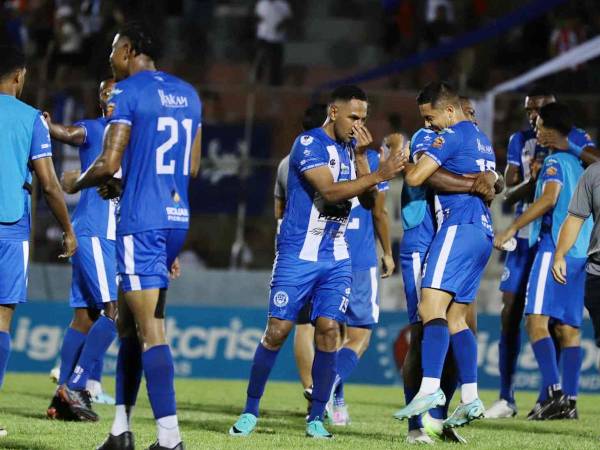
55,375
465,413
418,437
3,432
571,412
103,399
123,441
244,425
308,396
421,404
435,429
78,403
55,410
340,416
554,407
534,410
501,409
157,446
316,430
450,435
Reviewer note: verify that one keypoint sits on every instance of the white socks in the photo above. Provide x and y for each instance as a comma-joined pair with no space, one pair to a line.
468,392
122,422
168,431
429,385
93,387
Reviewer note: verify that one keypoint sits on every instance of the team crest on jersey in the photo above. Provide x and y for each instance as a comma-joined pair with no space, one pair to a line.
332,162
306,140
551,171
505,274
280,299
176,197
438,142
109,109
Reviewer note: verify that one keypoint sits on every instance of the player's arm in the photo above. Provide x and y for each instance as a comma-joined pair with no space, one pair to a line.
381,222
363,140
582,147
196,154
107,164
512,175
69,134
537,209
417,174
484,184
569,232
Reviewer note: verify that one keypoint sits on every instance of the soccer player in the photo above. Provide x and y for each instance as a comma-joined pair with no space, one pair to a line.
93,285
153,134
546,299
457,255
26,147
312,255
523,150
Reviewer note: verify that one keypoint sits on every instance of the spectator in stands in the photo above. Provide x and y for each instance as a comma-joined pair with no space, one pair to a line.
432,10
273,17
568,33
68,41
437,32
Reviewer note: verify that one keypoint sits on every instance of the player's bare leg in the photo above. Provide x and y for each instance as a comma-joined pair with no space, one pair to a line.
6,315
304,352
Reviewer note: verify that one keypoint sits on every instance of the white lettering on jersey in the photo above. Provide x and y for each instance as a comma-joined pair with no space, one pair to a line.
177,214
172,101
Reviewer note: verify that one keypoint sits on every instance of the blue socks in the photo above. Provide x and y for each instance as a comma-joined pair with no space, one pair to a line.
545,354
72,344
129,371
98,340
414,423
323,375
464,346
508,354
264,359
448,385
434,347
347,360
4,354
160,374
571,361
96,372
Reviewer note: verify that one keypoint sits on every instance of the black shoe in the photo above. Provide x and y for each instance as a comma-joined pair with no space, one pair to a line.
571,412
123,441
157,446
534,410
308,397
450,435
78,403
554,407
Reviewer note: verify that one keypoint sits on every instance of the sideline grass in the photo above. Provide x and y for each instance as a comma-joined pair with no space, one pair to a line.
207,408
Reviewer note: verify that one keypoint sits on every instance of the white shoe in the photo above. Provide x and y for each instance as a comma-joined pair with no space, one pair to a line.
55,375
501,409
340,417
418,437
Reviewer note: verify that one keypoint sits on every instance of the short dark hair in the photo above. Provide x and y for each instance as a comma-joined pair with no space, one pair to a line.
314,116
436,92
11,60
143,41
348,92
539,90
557,116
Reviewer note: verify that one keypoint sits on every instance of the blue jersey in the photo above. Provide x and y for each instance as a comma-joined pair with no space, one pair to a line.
164,113
93,216
360,233
565,169
40,147
462,149
311,229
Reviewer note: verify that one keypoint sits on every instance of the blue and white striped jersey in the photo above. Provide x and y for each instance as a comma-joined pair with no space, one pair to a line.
311,229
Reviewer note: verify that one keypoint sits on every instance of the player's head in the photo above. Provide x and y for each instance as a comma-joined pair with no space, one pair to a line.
133,44
314,116
555,116
104,92
12,69
468,108
537,97
439,105
348,106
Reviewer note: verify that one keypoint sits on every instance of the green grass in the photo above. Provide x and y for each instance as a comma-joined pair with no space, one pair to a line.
207,408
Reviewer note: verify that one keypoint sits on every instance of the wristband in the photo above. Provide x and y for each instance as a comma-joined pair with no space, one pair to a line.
575,149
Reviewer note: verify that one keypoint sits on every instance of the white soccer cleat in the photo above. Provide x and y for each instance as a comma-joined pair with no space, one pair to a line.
501,409
432,426
418,437
55,375
340,417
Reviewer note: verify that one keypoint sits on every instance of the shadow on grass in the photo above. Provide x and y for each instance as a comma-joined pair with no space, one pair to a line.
235,410
527,427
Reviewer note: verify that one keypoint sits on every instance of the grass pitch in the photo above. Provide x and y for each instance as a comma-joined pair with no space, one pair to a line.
207,408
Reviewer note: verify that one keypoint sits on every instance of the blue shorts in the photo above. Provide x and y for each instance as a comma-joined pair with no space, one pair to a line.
412,267
517,268
456,261
14,265
363,309
94,281
296,281
545,296
144,259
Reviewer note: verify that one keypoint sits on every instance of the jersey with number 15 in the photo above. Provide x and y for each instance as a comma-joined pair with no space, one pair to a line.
164,113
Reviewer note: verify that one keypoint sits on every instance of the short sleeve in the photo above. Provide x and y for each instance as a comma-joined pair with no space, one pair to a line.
581,202
308,153
420,142
515,148
280,182
373,158
552,171
41,147
122,104
444,145
82,124
582,139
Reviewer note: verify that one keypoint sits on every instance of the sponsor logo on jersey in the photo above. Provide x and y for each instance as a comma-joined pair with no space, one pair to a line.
345,170
306,140
176,197
280,299
177,214
505,274
551,171
438,142
484,148
307,151
332,162
172,101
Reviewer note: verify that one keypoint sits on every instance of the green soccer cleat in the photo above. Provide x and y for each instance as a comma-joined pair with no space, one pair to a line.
421,404
244,425
316,430
465,413
435,429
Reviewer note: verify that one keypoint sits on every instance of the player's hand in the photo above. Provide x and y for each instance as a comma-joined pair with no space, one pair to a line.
552,139
111,189
559,269
175,271
363,138
69,245
501,238
387,265
391,165
397,141
534,169
68,180
483,186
